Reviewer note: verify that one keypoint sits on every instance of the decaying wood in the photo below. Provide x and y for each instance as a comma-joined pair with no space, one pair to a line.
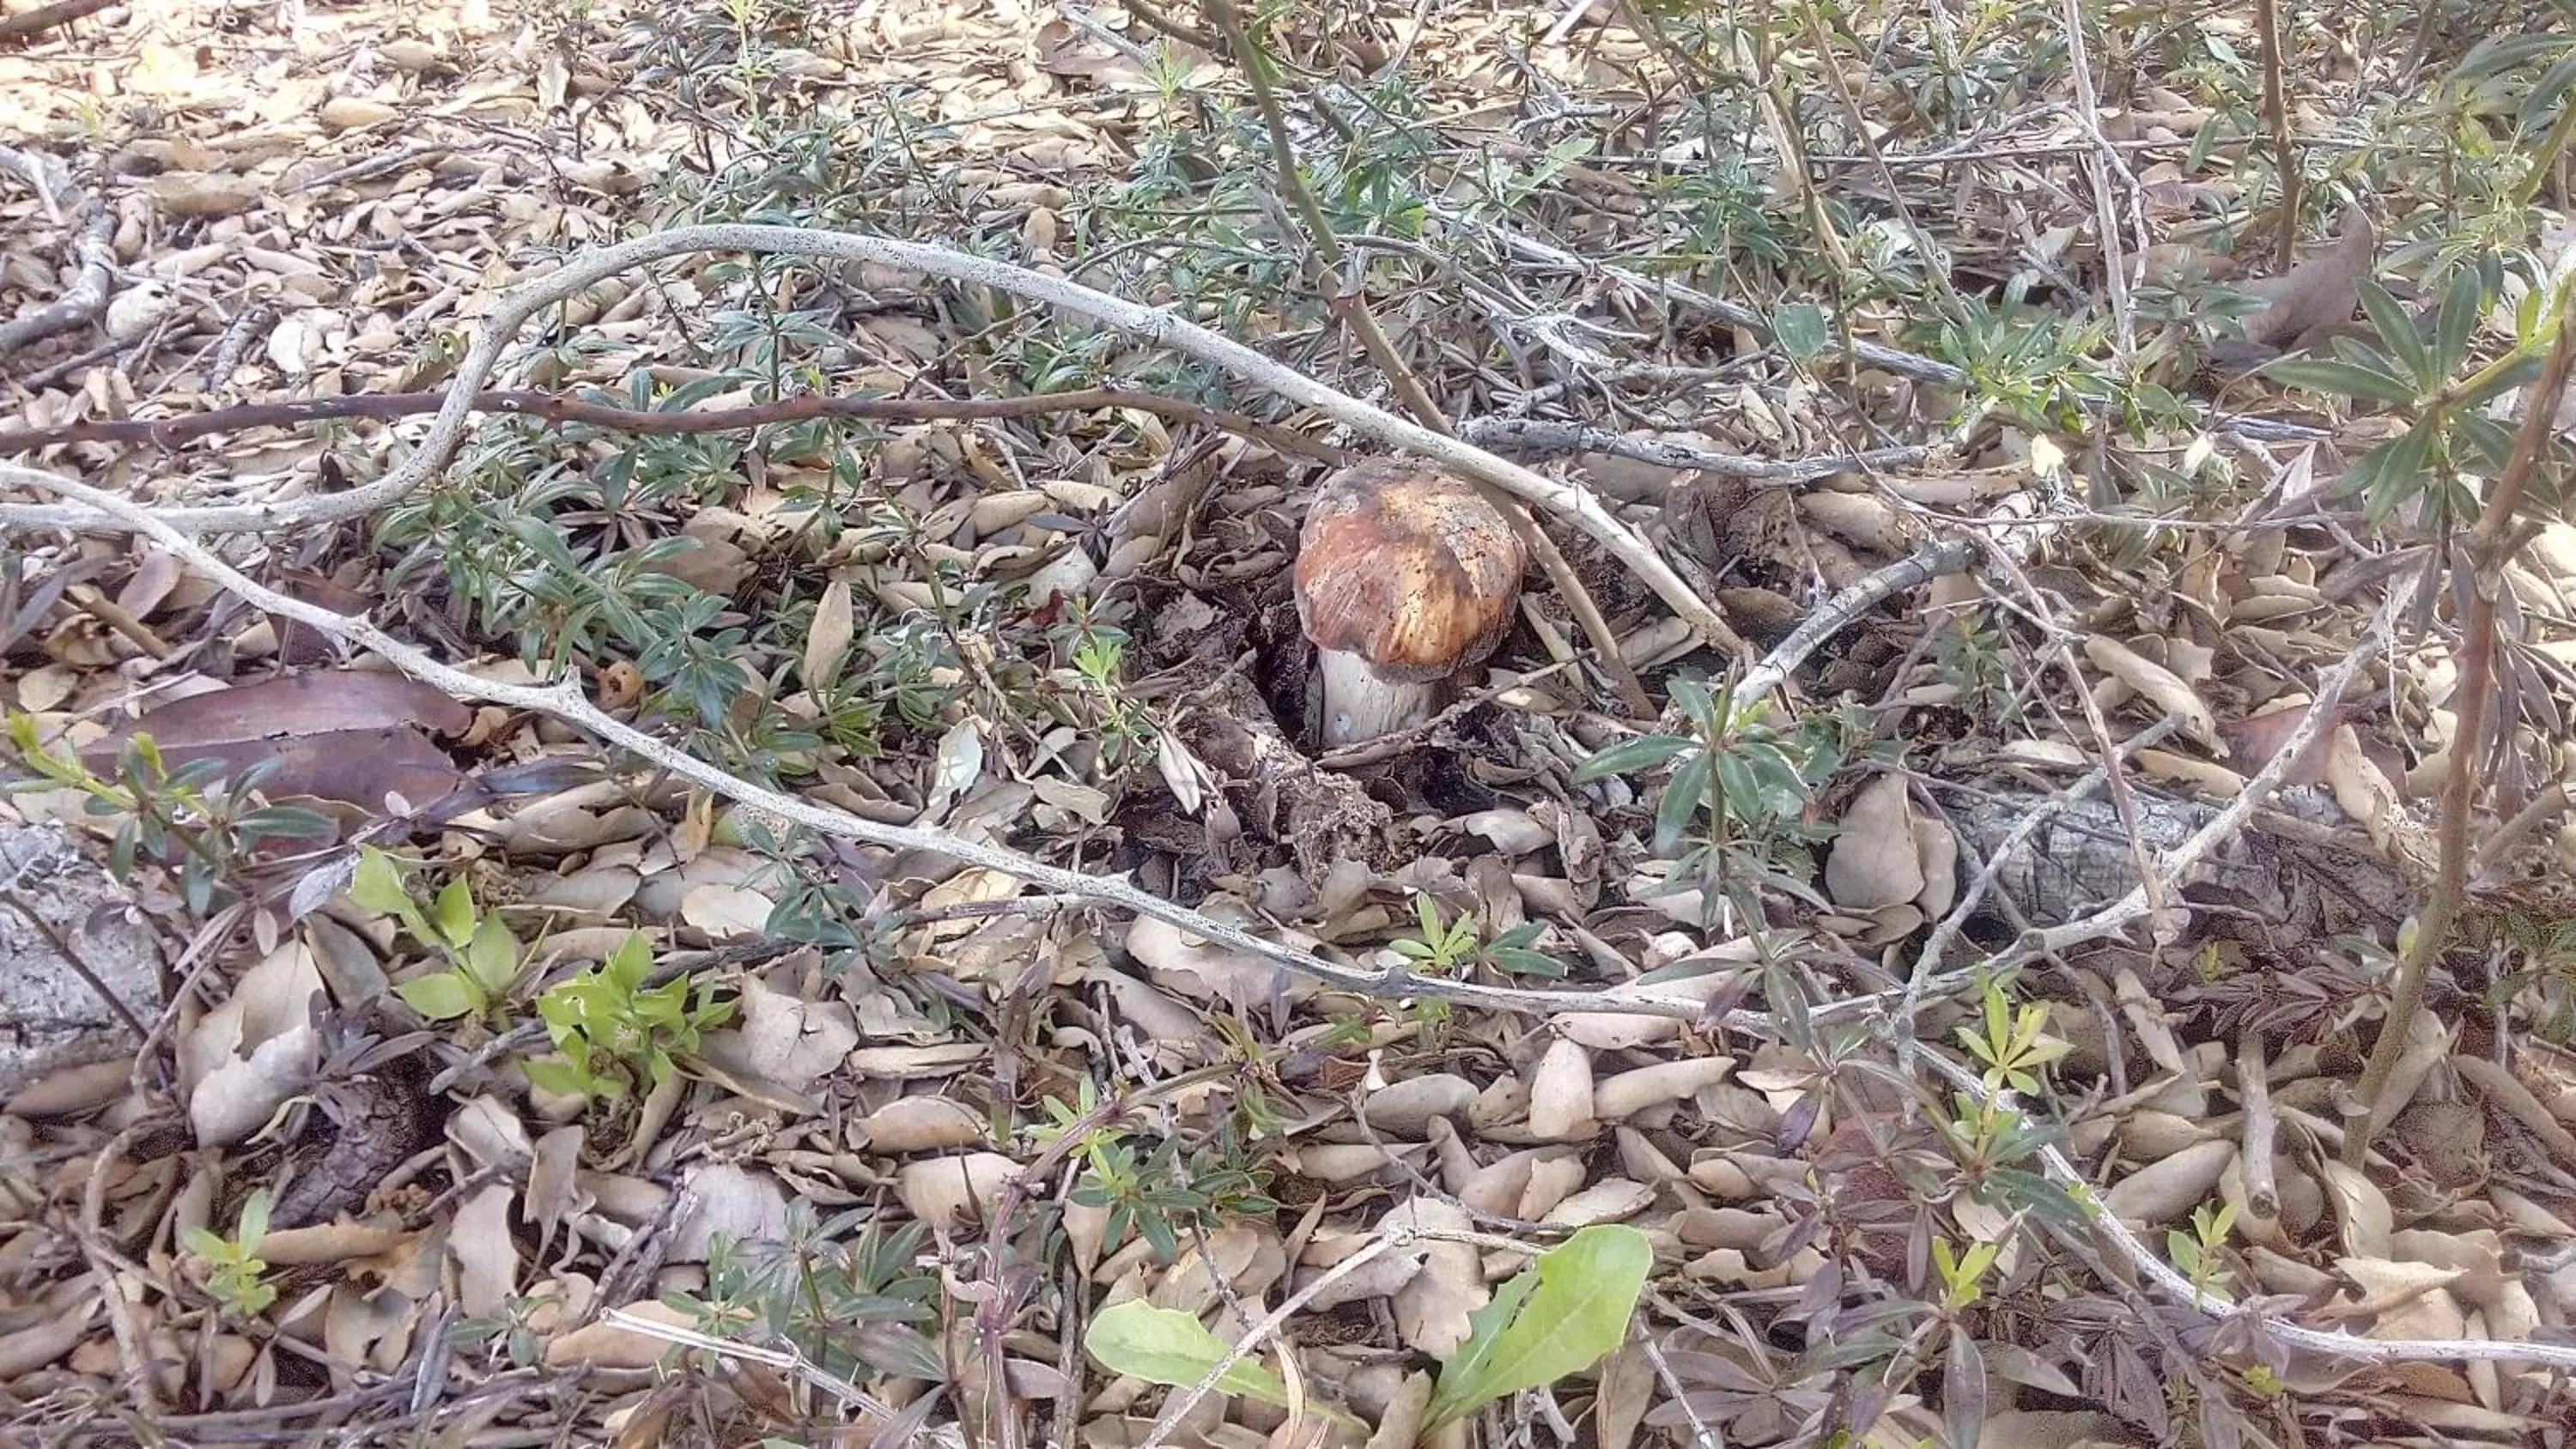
2260,879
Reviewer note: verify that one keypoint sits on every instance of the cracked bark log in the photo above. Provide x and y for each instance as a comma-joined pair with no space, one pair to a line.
2288,883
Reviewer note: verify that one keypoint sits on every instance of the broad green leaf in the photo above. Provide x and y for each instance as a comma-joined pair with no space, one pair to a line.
1166,1346
1643,752
2349,379
441,997
492,956
1487,1328
566,1080
454,914
1576,1310
1801,330
378,885
632,963
2396,328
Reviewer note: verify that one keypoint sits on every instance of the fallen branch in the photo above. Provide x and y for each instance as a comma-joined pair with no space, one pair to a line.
1576,438
93,251
170,433
46,17
564,701
1154,325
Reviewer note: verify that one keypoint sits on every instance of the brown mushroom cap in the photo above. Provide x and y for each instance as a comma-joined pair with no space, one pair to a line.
1407,567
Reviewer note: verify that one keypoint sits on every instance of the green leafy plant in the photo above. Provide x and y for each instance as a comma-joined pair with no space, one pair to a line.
2011,1042
2029,364
1169,1347
2195,1252
1988,1139
236,1274
1159,1193
486,957
1446,948
1558,1316
2410,368
1963,1274
1739,792
190,819
848,1293
614,1032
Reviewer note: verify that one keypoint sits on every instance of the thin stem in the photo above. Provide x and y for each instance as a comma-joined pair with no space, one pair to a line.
2486,550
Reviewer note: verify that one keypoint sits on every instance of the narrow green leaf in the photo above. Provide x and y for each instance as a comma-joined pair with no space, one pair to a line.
2396,328
2547,94
1642,753
1683,796
1577,1309
2497,54
440,997
2461,304
2348,379
1521,961
1963,1391
2512,375
1166,1346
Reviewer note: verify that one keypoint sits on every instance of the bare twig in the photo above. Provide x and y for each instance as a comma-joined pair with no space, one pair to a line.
2106,163
46,17
1262,1332
2180,1288
2254,1090
1576,438
2276,115
564,700
555,408
1869,354
1918,568
72,957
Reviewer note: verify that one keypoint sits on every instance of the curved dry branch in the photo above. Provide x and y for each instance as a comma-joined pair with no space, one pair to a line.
93,250
1153,325
564,701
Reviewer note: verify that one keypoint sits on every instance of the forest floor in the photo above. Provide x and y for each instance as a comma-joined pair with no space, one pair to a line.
630,831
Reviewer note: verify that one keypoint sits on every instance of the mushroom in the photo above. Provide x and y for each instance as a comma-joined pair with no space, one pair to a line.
1406,576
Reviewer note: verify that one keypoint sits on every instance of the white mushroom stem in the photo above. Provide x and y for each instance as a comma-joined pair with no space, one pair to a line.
1361,704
